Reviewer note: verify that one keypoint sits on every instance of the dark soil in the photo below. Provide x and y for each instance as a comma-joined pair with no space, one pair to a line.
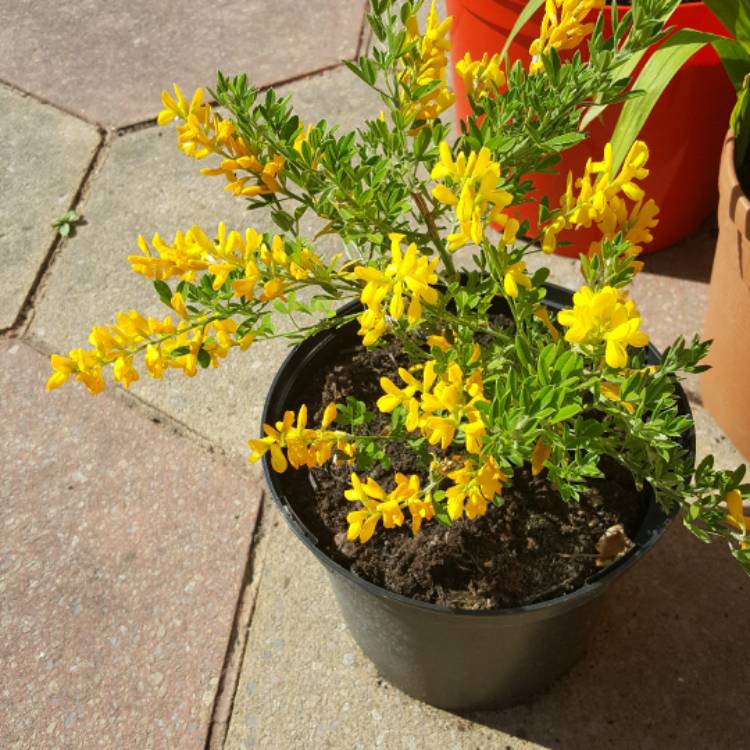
534,547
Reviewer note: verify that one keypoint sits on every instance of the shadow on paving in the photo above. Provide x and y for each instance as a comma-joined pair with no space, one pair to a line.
691,259
667,668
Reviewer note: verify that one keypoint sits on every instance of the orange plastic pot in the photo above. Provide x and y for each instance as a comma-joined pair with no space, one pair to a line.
724,387
685,131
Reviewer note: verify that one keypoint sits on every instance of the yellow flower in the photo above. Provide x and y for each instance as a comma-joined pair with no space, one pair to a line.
184,257
178,305
377,505
601,201
439,342
175,107
611,392
514,276
408,275
449,407
393,396
392,514
473,488
472,188
124,372
540,454
562,27
635,226
205,132
481,77
362,525
421,509
735,511
85,365
426,64
606,316
304,446
329,414
541,314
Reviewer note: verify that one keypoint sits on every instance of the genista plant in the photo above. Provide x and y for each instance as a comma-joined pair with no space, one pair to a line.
556,394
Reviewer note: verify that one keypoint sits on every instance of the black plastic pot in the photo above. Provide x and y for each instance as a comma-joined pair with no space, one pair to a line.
455,659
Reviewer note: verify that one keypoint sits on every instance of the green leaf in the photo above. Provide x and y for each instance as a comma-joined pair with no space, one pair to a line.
164,292
622,71
652,81
204,358
443,517
735,16
532,6
735,58
566,412
524,351
565,141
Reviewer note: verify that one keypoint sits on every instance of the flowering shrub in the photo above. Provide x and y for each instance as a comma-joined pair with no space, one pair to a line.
557,395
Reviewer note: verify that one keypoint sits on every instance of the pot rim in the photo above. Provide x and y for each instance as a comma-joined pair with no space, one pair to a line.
593,587
739,207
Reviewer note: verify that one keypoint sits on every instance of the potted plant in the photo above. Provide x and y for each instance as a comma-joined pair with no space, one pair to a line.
728,314
489,26
474,455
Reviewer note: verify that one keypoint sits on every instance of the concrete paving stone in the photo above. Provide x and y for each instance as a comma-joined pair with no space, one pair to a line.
109,62
122,555
146,185
45,155
662,672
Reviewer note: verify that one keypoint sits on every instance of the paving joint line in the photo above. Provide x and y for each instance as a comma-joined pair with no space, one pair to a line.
48,103
20,324
156,415
234,659
134,127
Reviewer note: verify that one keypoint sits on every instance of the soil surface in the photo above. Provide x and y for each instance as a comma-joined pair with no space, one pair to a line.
534,547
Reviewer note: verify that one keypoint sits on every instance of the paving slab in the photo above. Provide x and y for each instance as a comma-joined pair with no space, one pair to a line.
109,62
146,185
662,672
45,154
122,555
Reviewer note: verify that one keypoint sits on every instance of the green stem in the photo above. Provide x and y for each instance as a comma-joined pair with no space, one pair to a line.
434,235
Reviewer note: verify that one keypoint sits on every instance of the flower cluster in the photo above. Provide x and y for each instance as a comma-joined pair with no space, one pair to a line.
602,200
247,258
481,77
563,27
425,93
474,485
447,405
604,317
205,132
378,505
407,275
304,446
471,185
163,344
